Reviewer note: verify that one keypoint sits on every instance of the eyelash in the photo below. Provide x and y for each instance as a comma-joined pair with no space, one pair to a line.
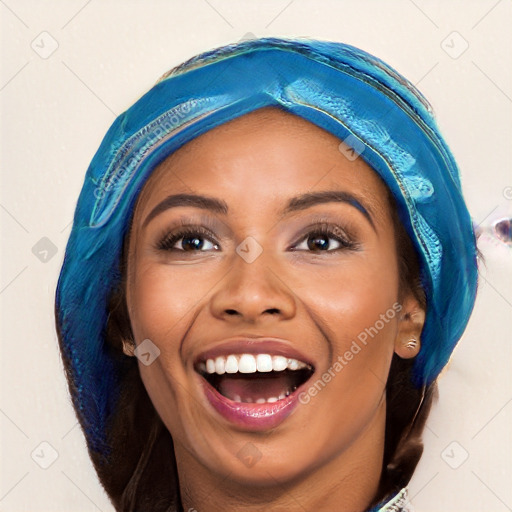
331,231
167,243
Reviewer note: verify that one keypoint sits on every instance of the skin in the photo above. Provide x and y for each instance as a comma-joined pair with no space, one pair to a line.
327,454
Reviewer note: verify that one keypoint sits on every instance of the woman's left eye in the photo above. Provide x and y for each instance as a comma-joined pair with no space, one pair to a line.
317,240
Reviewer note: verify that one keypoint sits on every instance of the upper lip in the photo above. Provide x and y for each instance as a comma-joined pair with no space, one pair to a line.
254,345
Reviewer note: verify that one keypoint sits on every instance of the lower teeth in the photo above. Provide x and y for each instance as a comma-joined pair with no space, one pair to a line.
258,388
270,400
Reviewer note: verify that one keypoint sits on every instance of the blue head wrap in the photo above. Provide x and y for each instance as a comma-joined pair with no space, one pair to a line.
343,90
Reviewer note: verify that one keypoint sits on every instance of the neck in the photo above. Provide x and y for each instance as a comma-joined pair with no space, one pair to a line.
347,482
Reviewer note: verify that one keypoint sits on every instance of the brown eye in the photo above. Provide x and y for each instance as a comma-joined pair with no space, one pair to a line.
318,240
191,240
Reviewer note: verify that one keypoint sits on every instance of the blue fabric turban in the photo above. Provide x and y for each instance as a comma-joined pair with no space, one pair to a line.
343,90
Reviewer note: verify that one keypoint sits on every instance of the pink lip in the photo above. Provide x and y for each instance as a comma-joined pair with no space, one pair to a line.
251,416
272,346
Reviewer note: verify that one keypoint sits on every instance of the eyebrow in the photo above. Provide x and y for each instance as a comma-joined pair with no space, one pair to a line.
297,203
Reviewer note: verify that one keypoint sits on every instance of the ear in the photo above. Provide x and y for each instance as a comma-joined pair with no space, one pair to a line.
410,325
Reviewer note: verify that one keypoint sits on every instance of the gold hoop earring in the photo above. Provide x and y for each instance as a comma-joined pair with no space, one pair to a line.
411,344
129,347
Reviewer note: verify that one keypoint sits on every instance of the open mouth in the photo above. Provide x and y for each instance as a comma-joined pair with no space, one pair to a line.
254,378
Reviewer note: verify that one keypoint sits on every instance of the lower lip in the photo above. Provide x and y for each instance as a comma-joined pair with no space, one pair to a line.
251,416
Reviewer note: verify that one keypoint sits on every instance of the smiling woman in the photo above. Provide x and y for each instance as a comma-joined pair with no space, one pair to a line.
262,230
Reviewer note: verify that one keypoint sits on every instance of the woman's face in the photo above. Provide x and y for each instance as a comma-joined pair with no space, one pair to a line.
275,272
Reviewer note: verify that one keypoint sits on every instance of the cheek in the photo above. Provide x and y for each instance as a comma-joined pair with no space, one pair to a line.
358,303
163,302
351,296
163,298
161,306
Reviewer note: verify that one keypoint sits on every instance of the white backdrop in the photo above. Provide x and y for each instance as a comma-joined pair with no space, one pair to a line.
70,66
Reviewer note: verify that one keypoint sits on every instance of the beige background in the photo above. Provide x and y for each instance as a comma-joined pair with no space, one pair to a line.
55,109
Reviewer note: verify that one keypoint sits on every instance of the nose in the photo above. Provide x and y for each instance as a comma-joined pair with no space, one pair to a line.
251,291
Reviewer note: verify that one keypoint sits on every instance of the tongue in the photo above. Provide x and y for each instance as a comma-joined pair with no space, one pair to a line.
252,387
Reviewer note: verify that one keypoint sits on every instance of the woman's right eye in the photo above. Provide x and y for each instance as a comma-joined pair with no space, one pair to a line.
191,240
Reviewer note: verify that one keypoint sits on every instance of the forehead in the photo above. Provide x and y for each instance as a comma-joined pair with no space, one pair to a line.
259,158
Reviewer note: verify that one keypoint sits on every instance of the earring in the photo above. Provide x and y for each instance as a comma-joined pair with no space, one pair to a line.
128,347
411,344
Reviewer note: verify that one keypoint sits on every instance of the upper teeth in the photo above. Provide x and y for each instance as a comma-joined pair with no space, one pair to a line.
248,363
